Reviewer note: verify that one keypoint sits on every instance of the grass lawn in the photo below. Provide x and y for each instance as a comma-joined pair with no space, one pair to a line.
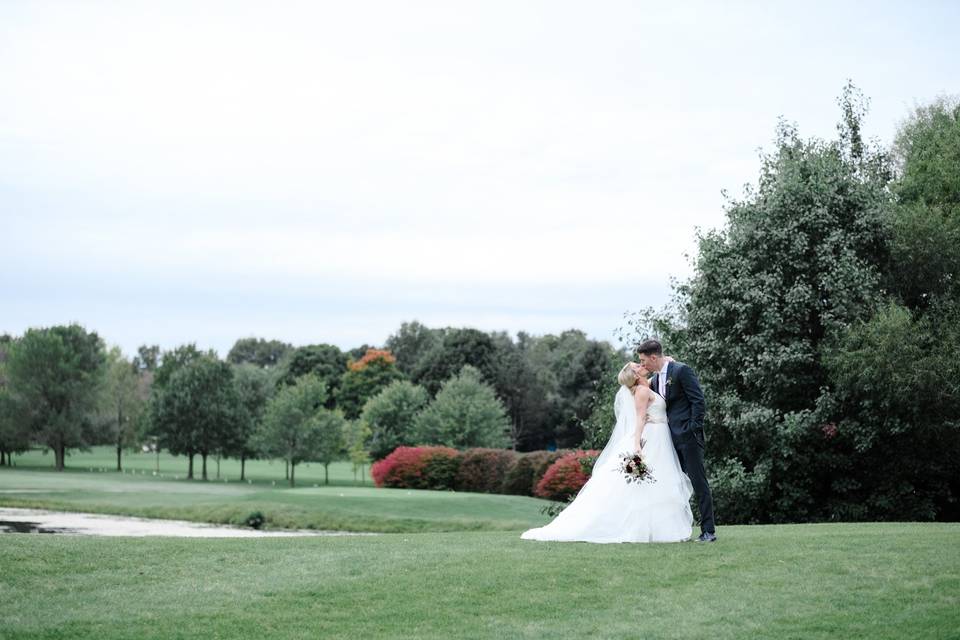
258,471
345,508
825,581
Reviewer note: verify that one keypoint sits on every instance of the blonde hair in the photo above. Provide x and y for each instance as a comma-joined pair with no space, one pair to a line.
627,376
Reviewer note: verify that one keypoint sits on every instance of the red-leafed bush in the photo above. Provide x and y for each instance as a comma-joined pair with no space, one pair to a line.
566,476
417,468
483,470
540,461
522,477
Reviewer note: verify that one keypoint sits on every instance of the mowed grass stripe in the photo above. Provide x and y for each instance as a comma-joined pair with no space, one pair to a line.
792,581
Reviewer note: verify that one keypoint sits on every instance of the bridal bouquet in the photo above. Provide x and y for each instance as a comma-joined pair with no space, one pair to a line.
634,468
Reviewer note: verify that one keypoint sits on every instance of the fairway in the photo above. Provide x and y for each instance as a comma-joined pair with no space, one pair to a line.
802,581
342,508
104,459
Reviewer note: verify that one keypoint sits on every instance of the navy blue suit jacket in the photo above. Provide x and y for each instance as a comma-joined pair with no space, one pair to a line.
685,404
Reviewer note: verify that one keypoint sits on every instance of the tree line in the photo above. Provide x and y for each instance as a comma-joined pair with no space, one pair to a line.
61,388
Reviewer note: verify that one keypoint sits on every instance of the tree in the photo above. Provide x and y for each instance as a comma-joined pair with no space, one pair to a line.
14,431
295,423
411,343
356,437
927,154
925,244
390,416
147,358
122,402
173,360
258,352
255,386
328,428
55,375
457,348
522,392
568,367
892,410
799,261
465,413
364,379
325,361
896,380
198,410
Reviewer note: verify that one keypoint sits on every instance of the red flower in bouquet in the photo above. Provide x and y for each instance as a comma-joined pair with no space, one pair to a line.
634,468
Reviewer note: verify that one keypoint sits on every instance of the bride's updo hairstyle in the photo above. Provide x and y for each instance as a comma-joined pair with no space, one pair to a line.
627,376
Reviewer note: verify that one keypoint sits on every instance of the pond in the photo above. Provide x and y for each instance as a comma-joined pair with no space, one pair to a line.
57,522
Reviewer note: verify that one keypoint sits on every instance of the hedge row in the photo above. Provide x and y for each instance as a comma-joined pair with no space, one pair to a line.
546,474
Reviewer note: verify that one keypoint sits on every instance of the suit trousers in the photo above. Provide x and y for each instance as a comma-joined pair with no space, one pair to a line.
691,461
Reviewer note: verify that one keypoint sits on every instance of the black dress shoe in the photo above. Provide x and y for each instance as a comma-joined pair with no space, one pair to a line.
707,537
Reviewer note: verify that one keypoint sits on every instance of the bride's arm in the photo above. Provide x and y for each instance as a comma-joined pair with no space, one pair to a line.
641,398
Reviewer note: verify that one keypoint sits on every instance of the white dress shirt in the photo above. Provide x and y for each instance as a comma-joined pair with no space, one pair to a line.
662,379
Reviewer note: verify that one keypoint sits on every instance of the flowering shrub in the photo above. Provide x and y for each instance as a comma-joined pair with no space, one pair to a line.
483,470
566,476
417,468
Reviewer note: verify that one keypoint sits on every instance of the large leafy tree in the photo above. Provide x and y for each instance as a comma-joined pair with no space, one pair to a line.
56,375
522,391
122,402
457,348
296,426
198,411
172,360
466,413
255,386
325,361
799,260
895,375
926,223
365,378
390,416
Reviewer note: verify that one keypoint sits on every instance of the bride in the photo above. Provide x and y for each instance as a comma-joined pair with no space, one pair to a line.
610,509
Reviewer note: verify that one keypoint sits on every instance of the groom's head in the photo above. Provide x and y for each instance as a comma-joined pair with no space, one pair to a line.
650,355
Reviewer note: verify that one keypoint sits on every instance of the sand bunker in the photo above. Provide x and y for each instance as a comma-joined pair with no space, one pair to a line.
91,524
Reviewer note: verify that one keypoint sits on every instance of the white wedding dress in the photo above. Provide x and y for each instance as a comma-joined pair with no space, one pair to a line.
610,509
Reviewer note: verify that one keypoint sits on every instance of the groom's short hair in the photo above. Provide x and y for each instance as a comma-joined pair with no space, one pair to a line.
650,348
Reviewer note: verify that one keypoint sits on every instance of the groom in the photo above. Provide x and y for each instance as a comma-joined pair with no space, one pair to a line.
678,385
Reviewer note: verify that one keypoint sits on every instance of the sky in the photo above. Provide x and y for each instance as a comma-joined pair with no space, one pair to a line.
175,172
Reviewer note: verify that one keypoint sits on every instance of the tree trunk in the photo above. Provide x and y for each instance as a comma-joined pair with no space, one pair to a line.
119,437
3,458
190,468
326,473
204,456
292,467
158,457
59,453
218,466
243,464
286,469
